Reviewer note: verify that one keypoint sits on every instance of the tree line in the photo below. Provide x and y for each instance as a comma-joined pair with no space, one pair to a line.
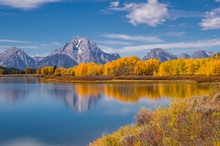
4,70
133,66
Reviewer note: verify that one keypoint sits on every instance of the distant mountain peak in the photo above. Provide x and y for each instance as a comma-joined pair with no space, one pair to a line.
13,50
160,54
200,54
184,55
158,49
163,55
76,41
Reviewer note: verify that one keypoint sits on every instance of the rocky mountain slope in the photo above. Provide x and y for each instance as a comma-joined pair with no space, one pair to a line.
58,60
184,55
200,54
80,49
160,54
16,58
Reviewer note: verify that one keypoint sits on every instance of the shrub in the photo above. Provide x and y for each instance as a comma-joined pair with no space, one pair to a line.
191,121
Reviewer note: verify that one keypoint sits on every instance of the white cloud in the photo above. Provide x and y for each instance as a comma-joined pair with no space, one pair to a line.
107,49
56,43
217,0
176,45
25,4
175,34
132,38
174,14
114,4
21,47
211,20
115,42
151,13
15,41
29,45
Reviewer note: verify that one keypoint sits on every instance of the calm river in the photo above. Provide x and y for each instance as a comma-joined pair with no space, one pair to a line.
34,113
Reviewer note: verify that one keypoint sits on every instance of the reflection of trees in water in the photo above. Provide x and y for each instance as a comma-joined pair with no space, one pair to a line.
133,92
82,97
79,97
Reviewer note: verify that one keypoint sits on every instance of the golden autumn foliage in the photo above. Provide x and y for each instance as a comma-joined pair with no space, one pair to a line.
1,71
148,67
121,66
81,69
213,68
47,70
94,69
133,66
90,69
108,69
60,71
190,121
71,71
216,56
209,67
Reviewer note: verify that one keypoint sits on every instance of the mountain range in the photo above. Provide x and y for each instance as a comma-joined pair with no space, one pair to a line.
163,55
78,50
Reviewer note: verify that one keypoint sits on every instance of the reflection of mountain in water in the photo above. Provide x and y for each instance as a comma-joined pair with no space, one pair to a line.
76,96
16,89
14,93
82,103
82,97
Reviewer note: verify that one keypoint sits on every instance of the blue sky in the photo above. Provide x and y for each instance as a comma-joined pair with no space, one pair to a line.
124,26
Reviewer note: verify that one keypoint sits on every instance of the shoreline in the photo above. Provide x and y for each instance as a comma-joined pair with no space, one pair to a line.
74,79
99,79
20,75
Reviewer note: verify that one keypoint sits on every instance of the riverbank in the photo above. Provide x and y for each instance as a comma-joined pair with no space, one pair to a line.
189,121
21,75
76,79
198,79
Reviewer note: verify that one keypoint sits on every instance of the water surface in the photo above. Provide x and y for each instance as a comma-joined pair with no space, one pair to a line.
37,113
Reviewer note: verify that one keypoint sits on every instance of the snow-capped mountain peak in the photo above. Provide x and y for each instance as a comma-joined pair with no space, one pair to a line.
81,49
